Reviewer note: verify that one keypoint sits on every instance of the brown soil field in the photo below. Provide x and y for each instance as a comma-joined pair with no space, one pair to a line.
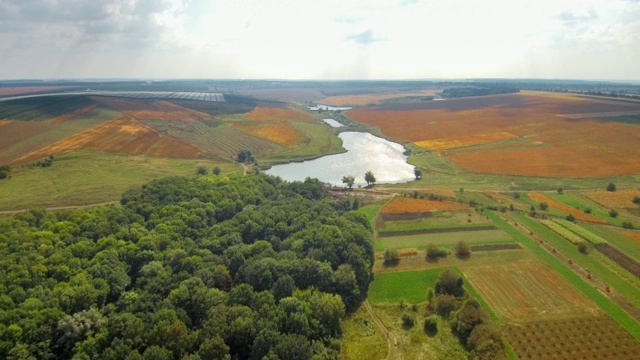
554,146
463,141
496,247
362,100
578,214
148,109
281,133
123,135
27,89
620,258
407,205
527,290
619,199
73,115
4,122
16,132
277,114
574,338
446,193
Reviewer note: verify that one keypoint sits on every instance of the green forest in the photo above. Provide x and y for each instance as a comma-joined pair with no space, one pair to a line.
202,267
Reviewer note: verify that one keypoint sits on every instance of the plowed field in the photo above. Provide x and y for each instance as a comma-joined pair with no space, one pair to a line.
281,133
555,146
527,290
578,214
142,109
277,114
619,199
408,205
123,135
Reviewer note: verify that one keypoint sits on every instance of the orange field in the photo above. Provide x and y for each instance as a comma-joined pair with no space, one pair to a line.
401,205
619,199
633,235
276,114
446,193
553,146
362,100
462,141
526,290
578,214
123,135
281,133
4,122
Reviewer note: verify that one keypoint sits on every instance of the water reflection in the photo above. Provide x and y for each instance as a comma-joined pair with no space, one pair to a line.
364,152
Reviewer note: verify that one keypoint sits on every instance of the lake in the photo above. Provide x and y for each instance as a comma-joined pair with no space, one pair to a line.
333,123
329,108
365,152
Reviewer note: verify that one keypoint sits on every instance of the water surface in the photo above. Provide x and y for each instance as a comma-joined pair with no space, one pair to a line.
365,152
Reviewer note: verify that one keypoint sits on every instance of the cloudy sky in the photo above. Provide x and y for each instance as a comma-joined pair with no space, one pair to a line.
321,39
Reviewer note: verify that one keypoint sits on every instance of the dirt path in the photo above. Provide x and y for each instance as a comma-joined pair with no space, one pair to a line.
392,342
58,208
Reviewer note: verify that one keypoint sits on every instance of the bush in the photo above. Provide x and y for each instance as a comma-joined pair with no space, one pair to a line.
391,257
587,210
611,187
433,253
485,342
408,321
543,206
627,225
583,248
636,200
613,213
431,325
570,218
449,282
202,170
469,316
516,195
462,250
444,304
560,190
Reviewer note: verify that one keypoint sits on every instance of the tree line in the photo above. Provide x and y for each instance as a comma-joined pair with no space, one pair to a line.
201,267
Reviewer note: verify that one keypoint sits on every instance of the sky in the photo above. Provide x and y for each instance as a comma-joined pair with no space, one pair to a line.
326,39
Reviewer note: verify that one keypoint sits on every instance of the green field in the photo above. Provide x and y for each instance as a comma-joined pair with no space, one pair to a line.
448,240
582,203
617,240
370,211
80,178
408,286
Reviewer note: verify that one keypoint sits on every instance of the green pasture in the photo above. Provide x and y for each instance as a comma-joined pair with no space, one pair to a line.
407,286
624,244
447,240
370,211
84,177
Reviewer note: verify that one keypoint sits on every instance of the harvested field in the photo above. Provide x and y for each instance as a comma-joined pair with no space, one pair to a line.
277,114
554,146
620,258
578,214
463,141
123,135
281,133
407,205
574,338
362,100
496,247
619,199
527,290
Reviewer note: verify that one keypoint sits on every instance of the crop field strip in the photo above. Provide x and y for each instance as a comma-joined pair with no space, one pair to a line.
420,241
619,199
578,214
408,205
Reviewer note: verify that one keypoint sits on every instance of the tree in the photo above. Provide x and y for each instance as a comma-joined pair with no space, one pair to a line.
391,257
560,190
433,253
408,321
543,206
217,171
462,250
636,199
570,218
202,170
613,213
583,248
611,187
418,173
245,156
4,171
449,282
369,178
431,325
349,180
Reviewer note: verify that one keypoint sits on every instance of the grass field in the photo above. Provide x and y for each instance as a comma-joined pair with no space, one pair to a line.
408,286
439,219
370,211
566,206
446,240
361,338
401,205
79,178
579,202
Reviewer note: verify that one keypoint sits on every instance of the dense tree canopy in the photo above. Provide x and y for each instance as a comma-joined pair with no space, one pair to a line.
185,268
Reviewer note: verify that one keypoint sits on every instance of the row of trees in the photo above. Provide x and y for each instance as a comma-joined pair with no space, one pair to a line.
349,180
185,268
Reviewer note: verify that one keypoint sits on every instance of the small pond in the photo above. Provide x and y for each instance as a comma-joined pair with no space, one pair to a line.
333,123
365,152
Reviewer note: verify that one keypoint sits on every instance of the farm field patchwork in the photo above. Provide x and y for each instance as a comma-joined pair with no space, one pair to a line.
555,146
362,100
619,199
578,214
281,133
277,114
448,239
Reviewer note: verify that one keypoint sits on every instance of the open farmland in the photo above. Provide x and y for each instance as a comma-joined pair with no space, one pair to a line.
281,133
577,213
277,114
369,99
549,145
7,91
581,337
619,199
401,205
149,109
527,290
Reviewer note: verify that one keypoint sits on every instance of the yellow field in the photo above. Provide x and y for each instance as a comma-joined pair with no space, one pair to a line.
281,133
462,141
362,100
619,199
401,205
